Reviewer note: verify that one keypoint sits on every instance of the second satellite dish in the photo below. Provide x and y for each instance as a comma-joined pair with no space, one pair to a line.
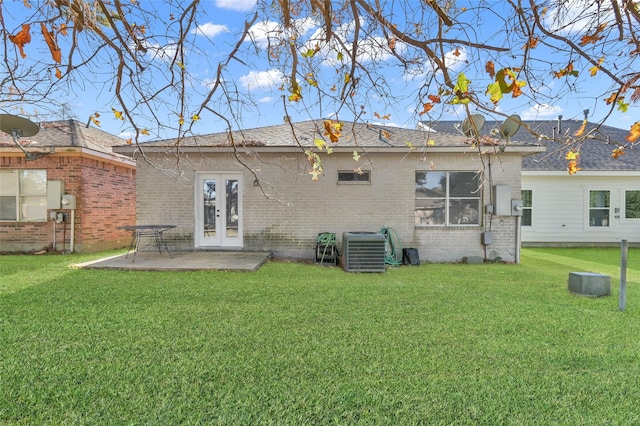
510,126
472,124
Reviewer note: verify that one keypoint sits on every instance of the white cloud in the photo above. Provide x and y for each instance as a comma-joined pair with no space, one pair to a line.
577,16
369,49
270,32
453,60
262,32
261,79
266,100
165,53
210,29
541,112
239,5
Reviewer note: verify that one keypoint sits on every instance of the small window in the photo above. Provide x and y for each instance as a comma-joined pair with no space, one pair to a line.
599,203
447,198
632,205
527,206
23,195
351,176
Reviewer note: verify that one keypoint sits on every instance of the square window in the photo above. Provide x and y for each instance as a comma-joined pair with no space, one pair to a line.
447,198
23,195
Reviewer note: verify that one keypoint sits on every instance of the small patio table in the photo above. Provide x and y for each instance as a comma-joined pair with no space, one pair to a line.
140,231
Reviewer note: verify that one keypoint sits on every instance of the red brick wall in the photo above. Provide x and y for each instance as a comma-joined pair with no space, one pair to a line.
105,199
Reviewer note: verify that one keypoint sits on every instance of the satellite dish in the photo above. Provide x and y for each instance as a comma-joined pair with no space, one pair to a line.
18,127
510,126
472,124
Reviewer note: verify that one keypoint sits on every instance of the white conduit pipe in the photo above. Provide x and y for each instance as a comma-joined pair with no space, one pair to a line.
73,226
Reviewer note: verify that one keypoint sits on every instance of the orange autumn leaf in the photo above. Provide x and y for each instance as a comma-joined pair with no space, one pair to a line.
392,43
58,73
426,108
617,152
490,69
566,71
63,29
333,130
532,43
593,38
435,99
56,54
516,90
572,167
634,133
22,38
456,53
611,99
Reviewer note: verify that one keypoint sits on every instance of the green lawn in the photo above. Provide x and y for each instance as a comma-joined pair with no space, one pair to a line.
301,344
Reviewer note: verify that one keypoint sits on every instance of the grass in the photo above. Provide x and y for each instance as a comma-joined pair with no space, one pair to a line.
300,344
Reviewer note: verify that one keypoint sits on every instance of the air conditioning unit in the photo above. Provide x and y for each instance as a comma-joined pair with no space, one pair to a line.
363,252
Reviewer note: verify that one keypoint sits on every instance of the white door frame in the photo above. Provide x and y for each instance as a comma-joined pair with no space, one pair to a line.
228,231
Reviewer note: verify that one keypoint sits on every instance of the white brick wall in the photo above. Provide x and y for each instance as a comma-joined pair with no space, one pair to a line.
296,209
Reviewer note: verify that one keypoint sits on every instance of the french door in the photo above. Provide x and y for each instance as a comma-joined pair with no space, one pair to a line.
218,208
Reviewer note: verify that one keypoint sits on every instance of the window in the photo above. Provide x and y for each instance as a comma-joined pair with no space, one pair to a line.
362,176
599,202
527,206
23,195
447,198
632,204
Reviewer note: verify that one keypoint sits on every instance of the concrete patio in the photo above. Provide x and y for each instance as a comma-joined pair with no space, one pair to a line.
183,261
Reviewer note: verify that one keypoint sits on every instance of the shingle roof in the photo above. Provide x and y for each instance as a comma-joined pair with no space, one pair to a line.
66,133
595,151
307,132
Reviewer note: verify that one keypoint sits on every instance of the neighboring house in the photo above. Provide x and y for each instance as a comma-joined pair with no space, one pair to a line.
74,160
255,191
598,205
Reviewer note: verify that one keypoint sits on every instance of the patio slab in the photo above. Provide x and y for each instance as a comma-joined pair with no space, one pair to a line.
183,261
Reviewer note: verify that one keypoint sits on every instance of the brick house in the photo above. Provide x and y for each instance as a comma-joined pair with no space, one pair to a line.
70,159
254,190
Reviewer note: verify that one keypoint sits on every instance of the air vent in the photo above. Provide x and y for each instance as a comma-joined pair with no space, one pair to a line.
363,252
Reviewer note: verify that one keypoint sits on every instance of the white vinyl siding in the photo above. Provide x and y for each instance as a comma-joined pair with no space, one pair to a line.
562,209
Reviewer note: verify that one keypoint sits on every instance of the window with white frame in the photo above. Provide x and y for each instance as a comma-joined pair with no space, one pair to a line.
599,206
632,204
527,206
447,198
23,195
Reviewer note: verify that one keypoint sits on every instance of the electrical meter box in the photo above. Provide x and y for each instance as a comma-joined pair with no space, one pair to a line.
502,200
69,201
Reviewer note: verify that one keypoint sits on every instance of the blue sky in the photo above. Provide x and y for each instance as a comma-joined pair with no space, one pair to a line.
259,82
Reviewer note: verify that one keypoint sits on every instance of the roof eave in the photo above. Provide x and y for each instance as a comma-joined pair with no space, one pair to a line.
522,150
